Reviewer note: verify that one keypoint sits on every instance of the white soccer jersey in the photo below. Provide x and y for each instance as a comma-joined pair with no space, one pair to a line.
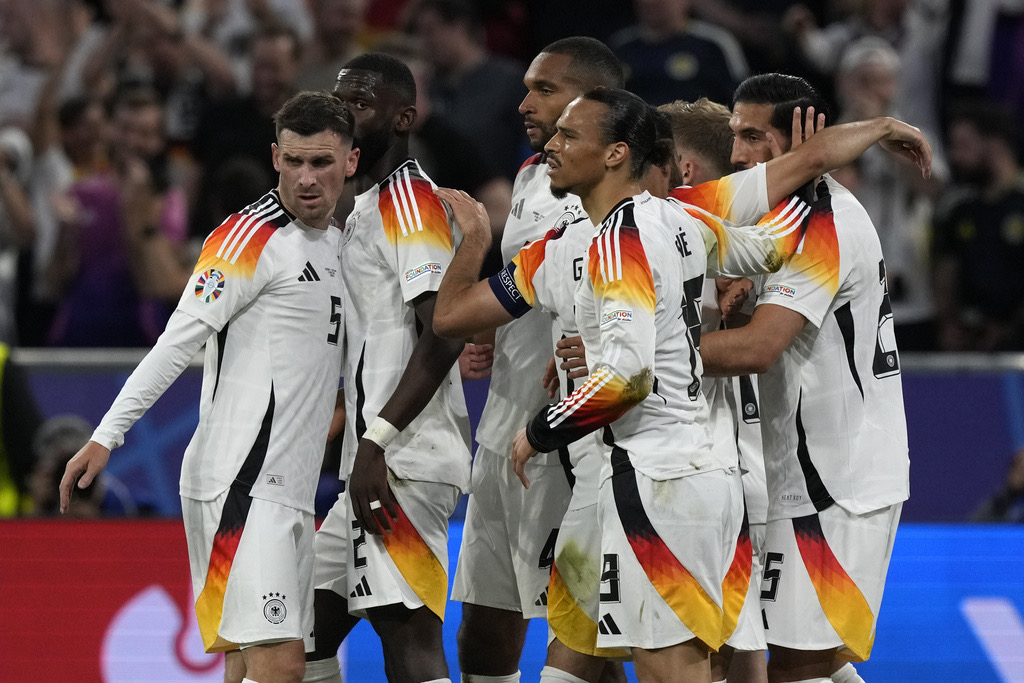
834,429
739,198
638,310
397,244
272,289
522,348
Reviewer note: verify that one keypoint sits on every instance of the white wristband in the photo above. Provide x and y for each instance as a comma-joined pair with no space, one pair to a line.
381,432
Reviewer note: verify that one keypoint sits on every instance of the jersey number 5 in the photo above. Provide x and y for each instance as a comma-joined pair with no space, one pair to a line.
332,336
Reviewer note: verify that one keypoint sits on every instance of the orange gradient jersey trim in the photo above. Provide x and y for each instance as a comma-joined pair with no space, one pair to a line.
840,598
418,564
235,246
412,213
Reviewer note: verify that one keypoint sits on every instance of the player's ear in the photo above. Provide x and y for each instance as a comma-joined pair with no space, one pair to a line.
352,162
405,120
616,154
275,154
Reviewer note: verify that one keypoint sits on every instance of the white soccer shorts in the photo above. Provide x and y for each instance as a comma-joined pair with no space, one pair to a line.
666,547
409,566
508,539
823,579
252,570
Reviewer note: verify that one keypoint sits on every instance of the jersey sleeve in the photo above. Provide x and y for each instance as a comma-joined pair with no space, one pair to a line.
624,295
527,280
232,269
177,345
751,250
740,198
418,229
808,282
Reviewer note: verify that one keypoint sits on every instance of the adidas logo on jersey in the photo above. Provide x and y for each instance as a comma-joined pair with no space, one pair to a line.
309,274
542,601
362,589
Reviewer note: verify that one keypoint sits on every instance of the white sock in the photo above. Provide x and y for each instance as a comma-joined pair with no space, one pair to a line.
477,678
248,680
323,671
847,674
815,680
550,674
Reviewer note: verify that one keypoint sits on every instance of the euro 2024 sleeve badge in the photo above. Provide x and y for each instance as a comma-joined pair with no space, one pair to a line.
210,285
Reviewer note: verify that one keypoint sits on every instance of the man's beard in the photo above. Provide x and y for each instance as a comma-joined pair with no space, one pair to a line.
371,148
548,132
559,192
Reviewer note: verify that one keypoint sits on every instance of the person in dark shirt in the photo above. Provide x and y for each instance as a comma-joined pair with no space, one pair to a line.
979,235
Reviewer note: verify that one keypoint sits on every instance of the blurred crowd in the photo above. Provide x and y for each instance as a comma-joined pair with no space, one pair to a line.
130,128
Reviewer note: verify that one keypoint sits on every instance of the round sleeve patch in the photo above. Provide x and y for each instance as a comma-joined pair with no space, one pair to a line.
210,285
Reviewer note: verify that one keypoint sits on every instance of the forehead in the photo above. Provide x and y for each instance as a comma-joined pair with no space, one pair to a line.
549,67
359,81
746,116
318,144
583,116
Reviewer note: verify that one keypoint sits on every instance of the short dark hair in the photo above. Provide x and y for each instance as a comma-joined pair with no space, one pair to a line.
703,127
785,92
397,75
991,120
591,62
309,113
642,127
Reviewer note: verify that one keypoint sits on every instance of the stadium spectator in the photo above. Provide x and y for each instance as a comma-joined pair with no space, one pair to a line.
17,222
339,28
669,55
120,264
56,442
979,234
897,199
1007,505
473,89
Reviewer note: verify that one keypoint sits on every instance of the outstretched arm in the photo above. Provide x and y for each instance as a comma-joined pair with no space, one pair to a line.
174,349
836,146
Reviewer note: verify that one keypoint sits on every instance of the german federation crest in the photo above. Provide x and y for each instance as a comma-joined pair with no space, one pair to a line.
210,285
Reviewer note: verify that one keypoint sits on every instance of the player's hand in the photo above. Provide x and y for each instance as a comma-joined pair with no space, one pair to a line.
83,467
550,379
470,214
338,419
475,361
573,355
372,501
803,127
732,293
909,142
521,452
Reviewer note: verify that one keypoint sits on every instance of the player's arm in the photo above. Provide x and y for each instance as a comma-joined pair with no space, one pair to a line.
170,355
836,146
753,348
752,250
624,293
432,358
466,305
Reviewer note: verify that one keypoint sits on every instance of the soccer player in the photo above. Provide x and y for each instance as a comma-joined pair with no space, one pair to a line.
266,299
832,416
509,534
381,553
